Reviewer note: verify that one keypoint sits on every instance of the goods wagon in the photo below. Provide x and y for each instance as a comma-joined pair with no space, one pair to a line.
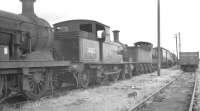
189,61
167,58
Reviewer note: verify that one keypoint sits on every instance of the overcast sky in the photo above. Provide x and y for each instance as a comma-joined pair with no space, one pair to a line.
136,19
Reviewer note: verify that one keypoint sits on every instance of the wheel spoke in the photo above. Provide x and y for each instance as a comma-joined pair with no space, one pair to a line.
104,80
37,85
32,85
84,79
1,87
56,82
35,89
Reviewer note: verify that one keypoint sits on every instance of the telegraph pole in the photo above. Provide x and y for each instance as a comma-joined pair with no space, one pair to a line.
176,47
179,37
158,23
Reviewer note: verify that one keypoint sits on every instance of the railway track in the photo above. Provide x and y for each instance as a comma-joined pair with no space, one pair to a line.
194,92
18,105
160,99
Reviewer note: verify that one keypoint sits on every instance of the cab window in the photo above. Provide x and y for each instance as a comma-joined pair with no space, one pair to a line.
86,27
100,31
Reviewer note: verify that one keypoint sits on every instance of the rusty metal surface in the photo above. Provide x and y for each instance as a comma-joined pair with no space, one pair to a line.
27,25
81,28
75,34
16,17
78,21
89,50
167,57
189,58
112,53
77,50
139,54
24,64
66,49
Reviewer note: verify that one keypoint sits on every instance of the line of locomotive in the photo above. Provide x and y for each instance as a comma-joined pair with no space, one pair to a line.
35,58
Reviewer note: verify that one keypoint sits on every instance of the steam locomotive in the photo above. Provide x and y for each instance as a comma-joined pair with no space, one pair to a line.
35,58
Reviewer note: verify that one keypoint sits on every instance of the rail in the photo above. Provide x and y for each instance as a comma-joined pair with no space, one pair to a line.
137,106
193,93
140,104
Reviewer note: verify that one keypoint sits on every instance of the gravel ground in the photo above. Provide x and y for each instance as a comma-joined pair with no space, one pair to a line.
197,106
119,96
176,97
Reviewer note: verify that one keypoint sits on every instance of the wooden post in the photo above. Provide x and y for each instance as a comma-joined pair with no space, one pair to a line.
179,36
158,23
176,47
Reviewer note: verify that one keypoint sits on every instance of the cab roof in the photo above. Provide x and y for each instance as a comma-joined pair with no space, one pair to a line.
79,20
143,43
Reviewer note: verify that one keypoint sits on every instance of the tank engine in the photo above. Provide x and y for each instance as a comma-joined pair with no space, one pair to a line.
141,55
25,42
25,34
87,45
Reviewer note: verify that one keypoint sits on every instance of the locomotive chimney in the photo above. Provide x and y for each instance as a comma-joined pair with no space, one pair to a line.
116,35
28,7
